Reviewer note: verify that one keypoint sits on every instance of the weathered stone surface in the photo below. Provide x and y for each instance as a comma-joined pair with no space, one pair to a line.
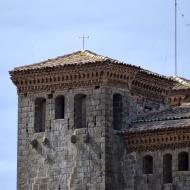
91,155
49,159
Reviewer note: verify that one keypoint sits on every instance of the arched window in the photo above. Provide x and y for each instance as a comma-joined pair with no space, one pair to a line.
80,111
183,161
117,111
59,107
40,115
167,168
147,164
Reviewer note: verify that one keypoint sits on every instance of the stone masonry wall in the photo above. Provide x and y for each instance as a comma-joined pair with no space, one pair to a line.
52,161
123,169
136,180
97,158
115,144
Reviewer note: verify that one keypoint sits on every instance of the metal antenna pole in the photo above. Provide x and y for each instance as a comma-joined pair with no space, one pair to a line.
175,37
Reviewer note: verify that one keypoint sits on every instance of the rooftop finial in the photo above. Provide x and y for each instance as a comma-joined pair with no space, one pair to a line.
83,38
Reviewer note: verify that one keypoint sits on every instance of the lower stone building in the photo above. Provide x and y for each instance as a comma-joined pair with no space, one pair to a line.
89,122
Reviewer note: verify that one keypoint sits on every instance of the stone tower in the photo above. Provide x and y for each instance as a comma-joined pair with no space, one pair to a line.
89,122
65,111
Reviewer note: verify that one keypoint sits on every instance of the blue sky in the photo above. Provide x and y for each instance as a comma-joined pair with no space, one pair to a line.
135,31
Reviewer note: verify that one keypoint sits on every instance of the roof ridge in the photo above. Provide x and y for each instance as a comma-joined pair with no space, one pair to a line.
49,59
78,58
181,80
161,119
106,57
88,53
153,73
93,54
164,114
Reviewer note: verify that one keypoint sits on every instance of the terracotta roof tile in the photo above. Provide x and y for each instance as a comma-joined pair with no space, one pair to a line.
75,58
158,125
79,58
181,83
169,118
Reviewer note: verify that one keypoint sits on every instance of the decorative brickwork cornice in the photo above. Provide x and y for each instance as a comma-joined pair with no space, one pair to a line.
158,140
84,69
72,77
153,87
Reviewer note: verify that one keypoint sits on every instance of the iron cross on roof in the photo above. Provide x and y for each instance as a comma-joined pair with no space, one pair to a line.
83,40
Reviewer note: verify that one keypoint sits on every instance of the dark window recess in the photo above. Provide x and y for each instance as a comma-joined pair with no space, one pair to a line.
117,111
96,87
147,109
40,115
50,96
147,165
94,119
167,168
68,123
80,111
59,107
183,161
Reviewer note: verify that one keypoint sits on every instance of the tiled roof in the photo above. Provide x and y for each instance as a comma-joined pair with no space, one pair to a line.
75,58
181,83
154,74
175,117
79,58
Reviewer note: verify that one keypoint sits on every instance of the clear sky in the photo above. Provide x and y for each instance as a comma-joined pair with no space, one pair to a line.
139,32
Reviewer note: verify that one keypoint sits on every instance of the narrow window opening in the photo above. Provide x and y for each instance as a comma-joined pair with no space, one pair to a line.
40,115
80,111
147,109
68,123
183,161
97,87
167,168
147,165
50,96
60,107
117,111
94,120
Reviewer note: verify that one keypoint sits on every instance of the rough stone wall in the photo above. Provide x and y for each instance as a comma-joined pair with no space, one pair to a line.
24,113
49,160
136,180
124,169
98,159
144,105
115,144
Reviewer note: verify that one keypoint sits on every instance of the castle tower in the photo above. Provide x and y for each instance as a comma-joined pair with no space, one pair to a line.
62,109
70,110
